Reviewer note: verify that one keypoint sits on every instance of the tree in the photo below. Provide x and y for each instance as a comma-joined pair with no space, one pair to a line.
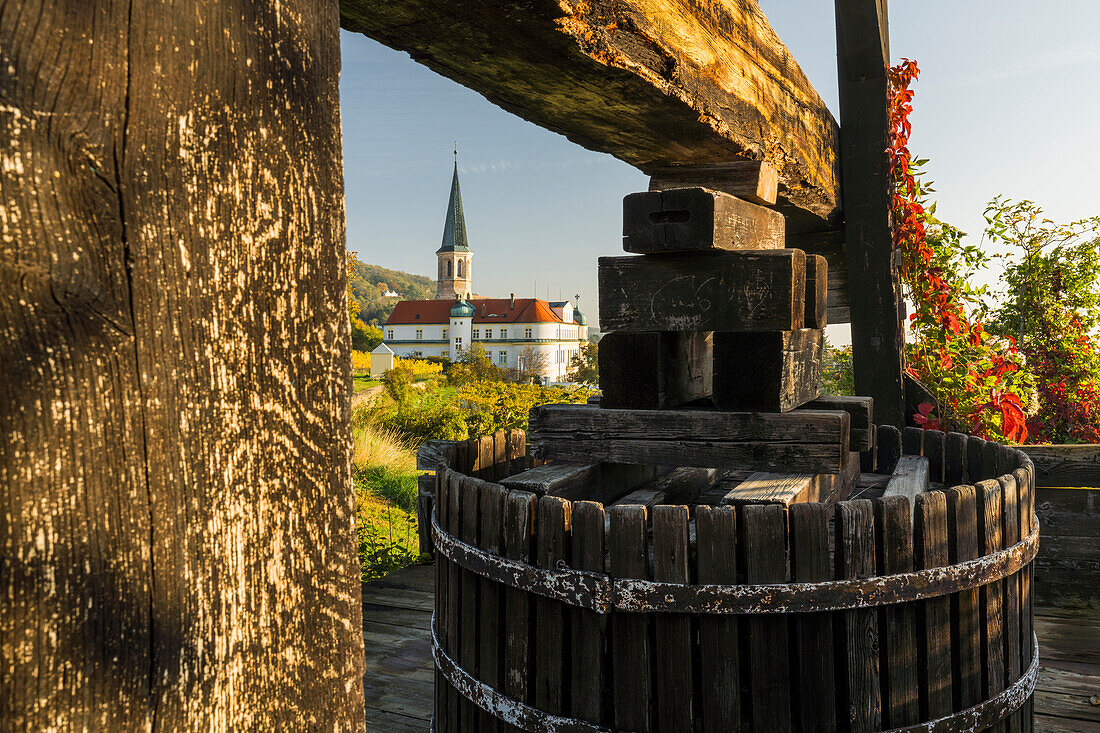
532,364
178,550
364,337
584,366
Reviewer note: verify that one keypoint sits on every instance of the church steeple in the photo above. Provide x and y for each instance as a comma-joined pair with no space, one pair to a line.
454,253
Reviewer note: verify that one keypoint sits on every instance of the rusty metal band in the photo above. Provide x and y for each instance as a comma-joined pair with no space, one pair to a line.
500,705
976,718
603,594
985,714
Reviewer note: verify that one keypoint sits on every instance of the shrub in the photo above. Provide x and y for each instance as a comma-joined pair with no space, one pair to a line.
360,361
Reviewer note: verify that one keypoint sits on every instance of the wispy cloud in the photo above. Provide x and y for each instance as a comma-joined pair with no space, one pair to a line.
1070,56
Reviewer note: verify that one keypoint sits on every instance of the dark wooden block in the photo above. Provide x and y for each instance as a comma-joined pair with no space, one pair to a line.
654,369
817,292
752,180
807,441
755,290
773,371
694,219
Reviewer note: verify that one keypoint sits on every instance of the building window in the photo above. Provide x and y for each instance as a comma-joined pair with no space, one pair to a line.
444,333
504,333
420,333
527,333
462,268
389,334
502,358
449,266
488,333
445,354
458,343
477,333
418,353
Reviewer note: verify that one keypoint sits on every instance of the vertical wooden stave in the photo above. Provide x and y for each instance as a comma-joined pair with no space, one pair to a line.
888,448
516,451
489,664
764,543
930,550
954,471
991,595
500,455
912,441
935,450
815,688
1010,531
442,711
589,629
455,702
962,524
975,470
719,648
630,657
470,493
519,513
867,463
673,631
1025,485
858,691
554,521
897,622
486,455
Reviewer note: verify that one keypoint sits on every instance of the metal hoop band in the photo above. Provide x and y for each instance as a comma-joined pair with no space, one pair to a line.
603,594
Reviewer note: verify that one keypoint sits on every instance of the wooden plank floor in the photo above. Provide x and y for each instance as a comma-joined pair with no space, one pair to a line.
397,610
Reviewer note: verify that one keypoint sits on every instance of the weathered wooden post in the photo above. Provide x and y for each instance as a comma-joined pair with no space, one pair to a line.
177,546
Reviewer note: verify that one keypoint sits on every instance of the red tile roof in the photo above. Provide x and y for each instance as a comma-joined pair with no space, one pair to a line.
486,310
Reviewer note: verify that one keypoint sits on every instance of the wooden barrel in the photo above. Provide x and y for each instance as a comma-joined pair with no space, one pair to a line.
867,614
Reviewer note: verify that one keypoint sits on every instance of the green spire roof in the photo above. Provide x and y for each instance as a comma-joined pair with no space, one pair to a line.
454,229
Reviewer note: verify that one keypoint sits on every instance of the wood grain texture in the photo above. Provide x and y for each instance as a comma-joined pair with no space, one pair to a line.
830,245
673,631
858,685
900,698
652,82
1065,465
930,550
655,370
719,640
175,342
863,55
773,488
680,485
630,647
553,527
771,371
697,220
519,514
589,629
752,180
910,478
817,292
815,683
962,526
752,290
764,537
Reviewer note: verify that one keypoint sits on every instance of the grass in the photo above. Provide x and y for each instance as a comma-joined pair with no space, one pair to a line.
385,476
361,382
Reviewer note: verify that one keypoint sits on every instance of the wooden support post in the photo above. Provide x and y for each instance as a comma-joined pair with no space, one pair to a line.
177,534
752,180
863,53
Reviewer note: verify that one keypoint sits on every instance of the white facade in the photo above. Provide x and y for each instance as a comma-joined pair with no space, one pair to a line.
508,344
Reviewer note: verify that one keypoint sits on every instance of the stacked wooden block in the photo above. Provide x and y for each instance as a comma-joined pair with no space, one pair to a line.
714,309
710,366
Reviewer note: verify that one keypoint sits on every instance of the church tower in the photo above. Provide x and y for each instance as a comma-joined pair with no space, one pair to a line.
454,254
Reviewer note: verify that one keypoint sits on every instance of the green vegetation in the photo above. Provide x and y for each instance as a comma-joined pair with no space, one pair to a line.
419,402
368,306
836,371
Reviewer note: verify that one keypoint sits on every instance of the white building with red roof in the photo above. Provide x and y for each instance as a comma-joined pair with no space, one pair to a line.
527,334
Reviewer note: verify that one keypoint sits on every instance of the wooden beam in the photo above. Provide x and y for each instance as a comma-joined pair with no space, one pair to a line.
697,219
755,290
754,181
653,370
910,477
772,371
656,83
1065,465
863,53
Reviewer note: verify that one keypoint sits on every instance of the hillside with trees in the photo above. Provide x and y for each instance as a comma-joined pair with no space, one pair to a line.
367,285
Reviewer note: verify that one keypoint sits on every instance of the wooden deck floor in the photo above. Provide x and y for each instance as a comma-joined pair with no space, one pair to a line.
399,679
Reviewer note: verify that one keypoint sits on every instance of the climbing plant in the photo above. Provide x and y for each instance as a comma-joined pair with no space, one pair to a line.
977,378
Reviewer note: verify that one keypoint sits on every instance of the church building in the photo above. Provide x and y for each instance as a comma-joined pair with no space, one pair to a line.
528,334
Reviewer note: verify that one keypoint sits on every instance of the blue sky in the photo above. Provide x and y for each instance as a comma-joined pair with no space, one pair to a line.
1007,102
